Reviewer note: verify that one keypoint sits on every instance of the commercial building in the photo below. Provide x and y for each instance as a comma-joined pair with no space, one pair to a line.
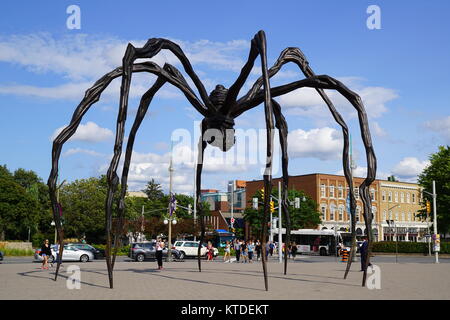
391,200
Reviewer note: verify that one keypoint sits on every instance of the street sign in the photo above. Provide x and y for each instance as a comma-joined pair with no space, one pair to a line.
232,220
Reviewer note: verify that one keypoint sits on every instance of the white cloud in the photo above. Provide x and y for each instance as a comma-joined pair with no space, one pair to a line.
379,131
441,126
307,102
409,168
322,143
73,151
89,132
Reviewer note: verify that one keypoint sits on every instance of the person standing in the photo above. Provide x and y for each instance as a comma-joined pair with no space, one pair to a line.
46,252
227,250
159,253
237,248
258,249
244,252
210,251
250,248
267,249
294,250
271,246
364,250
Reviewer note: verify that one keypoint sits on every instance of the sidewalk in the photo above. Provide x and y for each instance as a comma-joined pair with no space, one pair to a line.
181,280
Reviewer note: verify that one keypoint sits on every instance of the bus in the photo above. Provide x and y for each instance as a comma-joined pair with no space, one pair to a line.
311,241
219,238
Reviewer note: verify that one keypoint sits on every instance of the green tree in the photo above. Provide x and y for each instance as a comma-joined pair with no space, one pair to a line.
439,171
306,216
18,210
153,190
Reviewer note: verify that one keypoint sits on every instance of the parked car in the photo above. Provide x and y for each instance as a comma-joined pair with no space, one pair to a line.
1,256
98,253
141,251
69,254
190,248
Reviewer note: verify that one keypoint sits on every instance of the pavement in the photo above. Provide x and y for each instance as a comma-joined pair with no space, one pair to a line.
308,277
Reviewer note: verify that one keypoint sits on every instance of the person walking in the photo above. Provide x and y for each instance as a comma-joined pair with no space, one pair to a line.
258,249
250,248
159,253
46,252
271,247
294,250
364,251
244,252
227,250
267,249
237,248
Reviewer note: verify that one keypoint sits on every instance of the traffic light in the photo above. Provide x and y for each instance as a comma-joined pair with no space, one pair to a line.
428,207
272,206
262,193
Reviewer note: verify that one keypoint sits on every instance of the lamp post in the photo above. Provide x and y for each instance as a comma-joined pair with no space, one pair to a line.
436,236
389,222
53,224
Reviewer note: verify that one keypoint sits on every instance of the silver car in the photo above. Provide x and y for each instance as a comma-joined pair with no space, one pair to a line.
69,254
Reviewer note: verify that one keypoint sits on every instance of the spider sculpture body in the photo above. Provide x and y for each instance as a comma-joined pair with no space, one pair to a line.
219,110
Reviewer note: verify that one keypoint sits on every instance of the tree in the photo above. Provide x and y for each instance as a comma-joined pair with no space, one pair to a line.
439,171
18,210
306,216
153,190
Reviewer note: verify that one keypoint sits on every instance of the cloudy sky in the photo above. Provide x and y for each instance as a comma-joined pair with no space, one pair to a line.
400,71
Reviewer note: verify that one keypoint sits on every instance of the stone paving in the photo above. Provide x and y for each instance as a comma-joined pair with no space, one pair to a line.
306,279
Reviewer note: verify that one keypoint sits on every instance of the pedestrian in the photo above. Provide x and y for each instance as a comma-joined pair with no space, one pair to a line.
46,252
210,252
159,253
294,250
244,252
271,246
227,250
267,249
364,251
289,250
258,249
57,255
250,248
237,248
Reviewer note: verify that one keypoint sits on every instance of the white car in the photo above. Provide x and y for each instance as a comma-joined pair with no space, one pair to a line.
190,248
69,254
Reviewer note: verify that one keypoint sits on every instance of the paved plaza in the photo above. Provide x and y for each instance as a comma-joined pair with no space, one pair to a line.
307,278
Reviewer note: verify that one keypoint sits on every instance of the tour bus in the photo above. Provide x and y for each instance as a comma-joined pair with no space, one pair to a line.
311,241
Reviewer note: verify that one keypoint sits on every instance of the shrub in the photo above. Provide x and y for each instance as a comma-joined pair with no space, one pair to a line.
407,247
17,252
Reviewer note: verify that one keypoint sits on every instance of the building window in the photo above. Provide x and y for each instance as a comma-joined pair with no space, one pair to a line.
322,190
390,196
341,213
402,197
409,216
396,216
323,210
356,193
384,215
340,192
383,196
408,198
358,212
390,215
372,194
332,209
413,198
403,216
396,197
331,191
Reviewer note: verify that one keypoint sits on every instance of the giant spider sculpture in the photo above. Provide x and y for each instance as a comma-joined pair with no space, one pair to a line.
219,110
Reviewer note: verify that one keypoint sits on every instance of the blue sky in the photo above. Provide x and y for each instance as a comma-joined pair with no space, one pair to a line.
400,71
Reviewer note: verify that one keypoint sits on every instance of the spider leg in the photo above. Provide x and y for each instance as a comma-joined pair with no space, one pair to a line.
295,55
326,82
198,181
142,110
92,95
281,125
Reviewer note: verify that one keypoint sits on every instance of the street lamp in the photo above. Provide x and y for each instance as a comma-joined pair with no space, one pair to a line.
53,224
436,236
389,222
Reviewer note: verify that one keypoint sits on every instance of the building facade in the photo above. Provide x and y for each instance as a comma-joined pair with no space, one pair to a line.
330,193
